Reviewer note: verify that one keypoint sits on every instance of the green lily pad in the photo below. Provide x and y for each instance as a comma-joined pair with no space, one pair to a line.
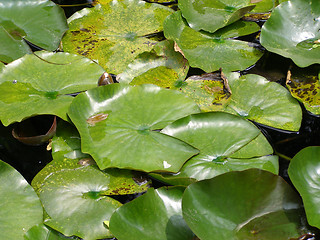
40,22
226,143
293,31
252,204
211,15
20,207
262,6
304,85
37,85
41,231
207,90
305,175
115,34
210,52
66,153
157,213
117,126
162,67
259,100
76,202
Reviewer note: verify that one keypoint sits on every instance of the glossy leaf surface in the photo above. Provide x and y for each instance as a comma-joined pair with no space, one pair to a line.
293,31
304,85
210,15
156,213
210,52
226,143
40,22
20,207
252,204
259,100
114,34
304,172
41,231
76,203
117,126
37,85
162,67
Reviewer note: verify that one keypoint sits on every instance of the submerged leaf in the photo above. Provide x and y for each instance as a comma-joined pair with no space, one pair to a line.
42,83
210,52
40,22
293,30
156,213
114,34
252,204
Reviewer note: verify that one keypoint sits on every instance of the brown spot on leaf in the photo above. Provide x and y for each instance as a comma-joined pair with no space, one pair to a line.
97,118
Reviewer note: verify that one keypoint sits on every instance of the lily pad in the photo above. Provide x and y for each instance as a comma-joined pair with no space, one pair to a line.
304,85
163,67
66,153
305,175
20,207
210,52
40,22
262,6
252,204
115,34
39,84
41,231
211,15
157,213
117,126
259,100
226,143
76,203
293,31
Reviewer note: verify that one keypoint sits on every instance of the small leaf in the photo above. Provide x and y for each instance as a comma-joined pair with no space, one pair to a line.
156,213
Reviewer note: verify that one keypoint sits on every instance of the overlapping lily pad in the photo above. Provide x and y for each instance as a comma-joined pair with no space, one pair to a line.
268,103
115,34
66,153
210,52
252,204
304,85
20,207
40,84
157,215
226,143
163,67
304,172
41,231
293,31
211,15
40,22
117,126
76,202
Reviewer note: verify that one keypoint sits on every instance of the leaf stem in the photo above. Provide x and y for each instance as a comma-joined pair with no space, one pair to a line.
283,156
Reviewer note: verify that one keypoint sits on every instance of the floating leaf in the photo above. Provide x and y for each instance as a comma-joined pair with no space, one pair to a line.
293,31
226,143
76,203
268,103
207,90
20,207
37,85
127,138
40,22
304,85
262,6
252,204
156,213
41,231
115,34
210,15
162,67
210,52
304,172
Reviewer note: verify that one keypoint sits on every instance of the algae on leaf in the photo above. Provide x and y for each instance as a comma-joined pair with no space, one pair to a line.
115,34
